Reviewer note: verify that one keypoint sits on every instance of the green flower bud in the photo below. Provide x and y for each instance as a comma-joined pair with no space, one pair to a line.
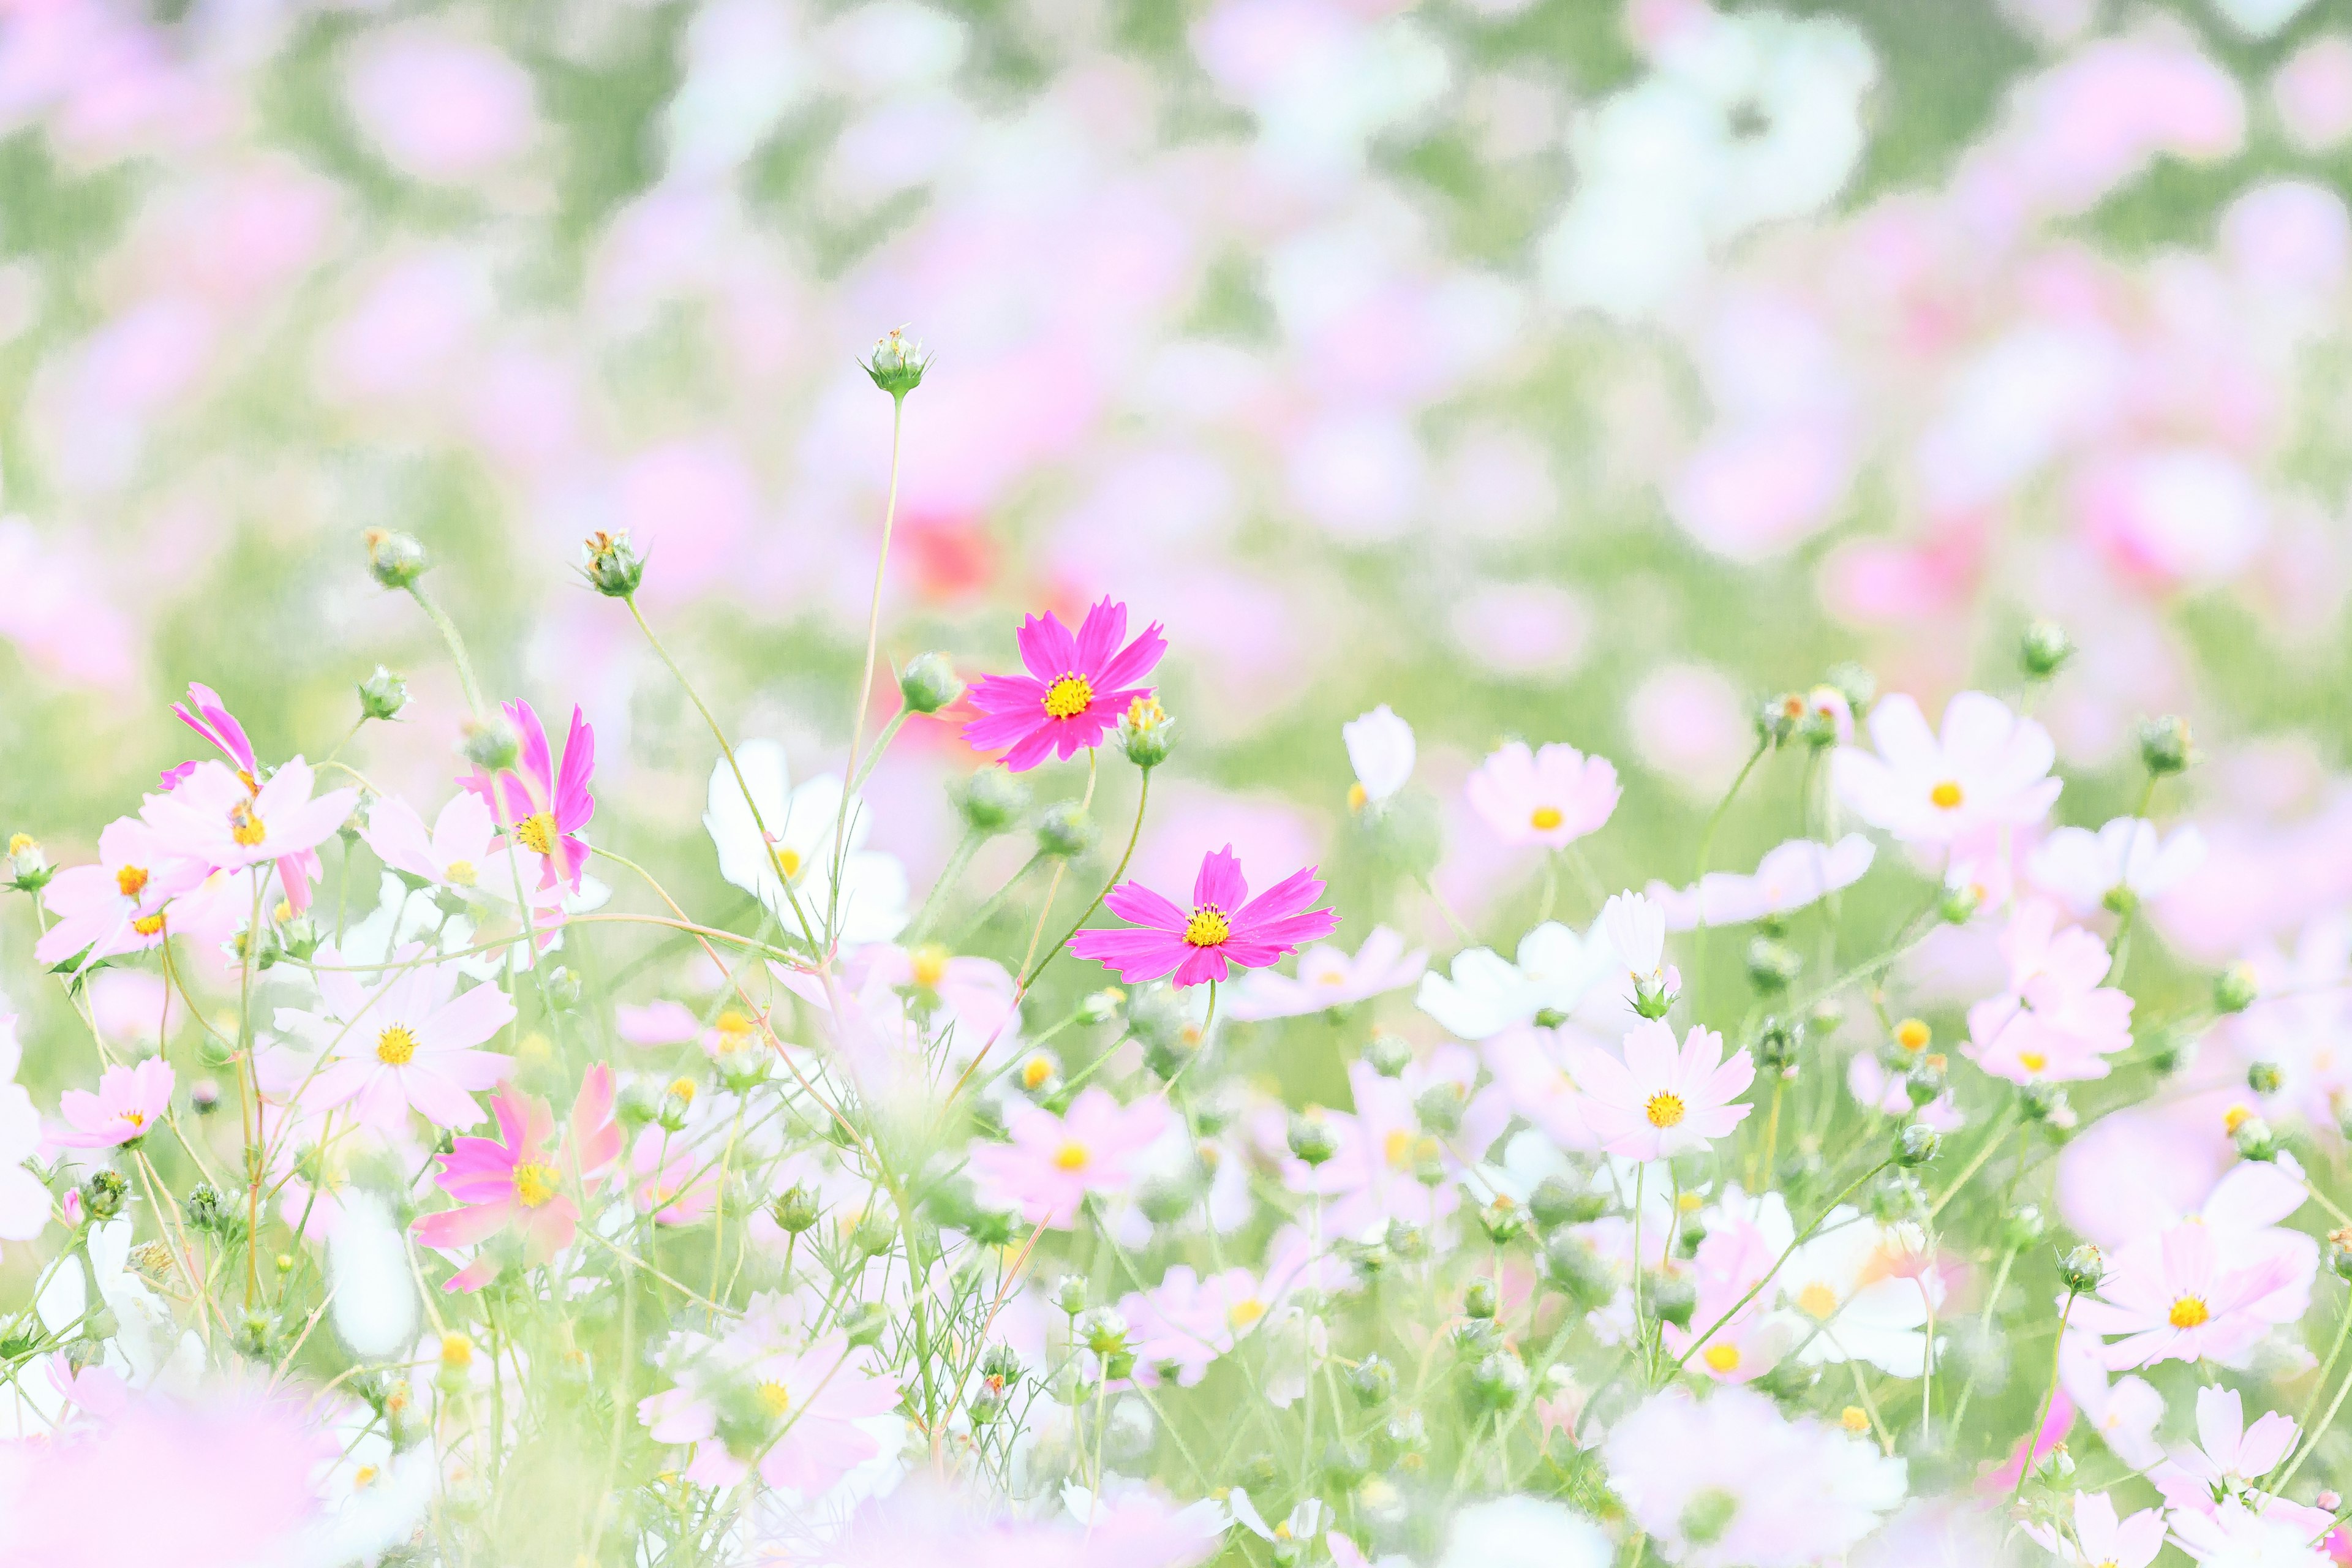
1068,1295
395,560
1916,1144
103,1193
1311,1140
1439,1108
612,564
928,683
1959,905
1857,685
1926,1080
1556,1203
1499,1380
1372,1381
1103,1332
1064,831
1673,1298
1776,1045
2164,747
2339,1252
1777,718
2043,649
28,865
2021,1227
1772,965
1407,1240
2264,1078
797,1211
1387,1055
382,694
1503,1221
897,363
2235,989
1146,733
991,801
207,1207
1577,1270
492,742
2081,1270
864,1322
1479,1298
2255,1140
1707,1515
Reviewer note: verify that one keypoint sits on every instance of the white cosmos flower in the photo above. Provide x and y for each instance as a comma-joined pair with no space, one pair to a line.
1486,993
1520,1532
799,849
2084,869
1381,750
1840,1283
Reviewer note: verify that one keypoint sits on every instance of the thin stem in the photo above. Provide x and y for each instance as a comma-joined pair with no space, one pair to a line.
873,640
1756,1289
950,875
2311,1434
2033,1433
449,630
1135,835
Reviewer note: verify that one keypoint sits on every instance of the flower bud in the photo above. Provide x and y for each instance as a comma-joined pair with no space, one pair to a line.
1673,1299
1146,733
897,363
1479,1298
1777,718
382,694
865,1321
1407,1240
2235,988
2255,1140
1859,687
1576,1268
1372,1381
1387,1055
204,1097
1438,1107
2164,745
2021,1227
2264,1078
395,560
1001,1363
2339,1252
2081,1270
797,1210
1916,1144
1499,1380
492,742
1064,831
1102,1331
928,683
991,801
103,1193
1959,905
2044,1102
1772,965
1068,1295
2043,649
1556,1203
1926,1080
28,867
1776,1045
1101,1006
1311,1140
206,1208
612,564
1503,1221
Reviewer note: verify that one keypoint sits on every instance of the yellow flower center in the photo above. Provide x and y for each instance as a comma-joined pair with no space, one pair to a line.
787,859
395,1047
1946,796
1817,1300
1035,1071
1722,1358
1069,696
148,925
1208,927
682,1089
136,1118
930,964
457,1350
362,1476
131,880
1912,1034
244,826
1544,818
536,833
1070,1157
774,1398
2235,1117
2032,1062
1664,1110
534,1184
1358,797
19,842
2187,1312
1242,1314
1853,1418
461,874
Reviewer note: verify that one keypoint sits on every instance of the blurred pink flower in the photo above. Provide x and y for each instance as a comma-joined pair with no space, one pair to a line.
1551,797
1789,878
1988,767
213,817
404,1041
671,1178
2313,93
121,904
814,1406
1329,977
54,612
2055,1023
1052,1164
439,108
1187,1322
129,1102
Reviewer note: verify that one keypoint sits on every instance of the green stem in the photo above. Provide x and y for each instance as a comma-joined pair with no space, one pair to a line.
950,875
1757,1288
1135,834
449,630
2034,1433
865,677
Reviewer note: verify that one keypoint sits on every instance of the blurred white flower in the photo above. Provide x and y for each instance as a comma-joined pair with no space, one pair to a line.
2084,870
1381,750
799,847
1520,1532
367,1262
1485,994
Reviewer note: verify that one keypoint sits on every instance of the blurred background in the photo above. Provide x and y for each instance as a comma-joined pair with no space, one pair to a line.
1556,368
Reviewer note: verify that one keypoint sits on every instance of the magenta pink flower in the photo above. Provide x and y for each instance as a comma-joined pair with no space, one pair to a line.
128,1104
1552,797
1225,927
545,810
1076,688
1052,1162
516,1181
208,716
1659,1102
120,904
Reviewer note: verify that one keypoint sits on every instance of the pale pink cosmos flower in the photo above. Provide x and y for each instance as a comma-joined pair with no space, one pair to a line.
1077,688
2230,1459
208,716
1789,877
542,809
2101,1539
1052,1164
2125,1413
1635,925
671,1177
1530,1066
213,817
1383,1150
2122,863
2312,92
517,1181
1872,1085
1551,797
1660,1101
405,1041
1180,1328
121,904
458,852
1225,928
130,1101
2236,1536
1329,977
1988,768
2176,1297
2055,1023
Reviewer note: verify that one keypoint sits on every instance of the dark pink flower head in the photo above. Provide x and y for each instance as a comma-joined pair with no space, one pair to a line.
1225,927
517,1181
208,716
545,809
1076,688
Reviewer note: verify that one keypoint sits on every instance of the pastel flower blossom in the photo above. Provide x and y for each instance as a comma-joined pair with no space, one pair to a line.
1988,768
2230,1459
790,867
1225,928
1050,1164
1660,1101
24,1200
2055,1023
2121,864
544,810
1791,876
213,817
517,1181
1636,928
1485,994
457,853
128,1104
2177,1297
1329,977
208,716
1381,750
121,904
1076,688
1551,797
403,1042
2102,1539
1186,1324
2236,1536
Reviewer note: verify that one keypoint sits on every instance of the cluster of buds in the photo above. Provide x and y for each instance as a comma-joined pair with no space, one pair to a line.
1821,717
492,742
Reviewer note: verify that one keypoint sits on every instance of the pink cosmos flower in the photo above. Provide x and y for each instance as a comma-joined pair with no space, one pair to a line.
1384,1149
118,905
1530,1065
543,809
2055,1023
1989,768
213,817
2175,1297
1076,688
455,854
1796,874
2102,1540
1552,797
1224,927
1660,1101
1329,977
515,1181
2230,1459
128,1104
1188,1322
1052,1163
208,716
404,1042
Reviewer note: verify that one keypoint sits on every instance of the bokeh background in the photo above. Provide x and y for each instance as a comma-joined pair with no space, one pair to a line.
1563,368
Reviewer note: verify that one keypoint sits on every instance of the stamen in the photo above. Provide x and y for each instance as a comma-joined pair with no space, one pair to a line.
534,1184
1664,1110
1544,818
1946,796
536,833
244,826
131,880
1069,696
1208,927
396,1047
